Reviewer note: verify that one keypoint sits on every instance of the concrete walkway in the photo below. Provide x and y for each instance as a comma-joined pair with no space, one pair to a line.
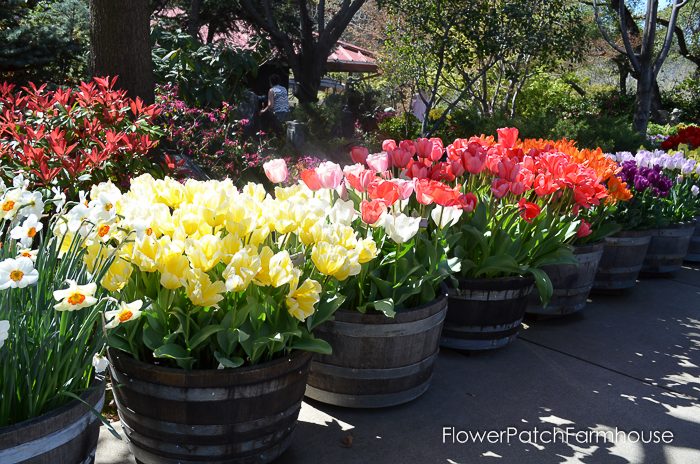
629,361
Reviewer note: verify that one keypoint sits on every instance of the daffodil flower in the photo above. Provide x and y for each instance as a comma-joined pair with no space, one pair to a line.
75,296
124,313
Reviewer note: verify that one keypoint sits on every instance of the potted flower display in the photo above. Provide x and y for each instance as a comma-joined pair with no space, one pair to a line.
50,336
528,205
216,295
572,282
386,335
660,184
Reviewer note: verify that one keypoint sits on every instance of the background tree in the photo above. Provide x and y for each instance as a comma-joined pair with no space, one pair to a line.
120,45
304,33
43,41
642,55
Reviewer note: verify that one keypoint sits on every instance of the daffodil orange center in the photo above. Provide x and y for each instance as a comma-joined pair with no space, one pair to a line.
125,315
149,231
16,275
109,206
31,232
76,298
8,205
103,230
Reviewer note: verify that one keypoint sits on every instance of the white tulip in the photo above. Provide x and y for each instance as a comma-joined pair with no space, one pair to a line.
445,217
401,228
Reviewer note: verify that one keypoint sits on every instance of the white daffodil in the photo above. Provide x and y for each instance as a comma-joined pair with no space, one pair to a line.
124,313
77,216
59,198
17,273
75,296
401,228
445,216
4,331
343,212
10,204
28,253
26,232
32,203
100,363
103,207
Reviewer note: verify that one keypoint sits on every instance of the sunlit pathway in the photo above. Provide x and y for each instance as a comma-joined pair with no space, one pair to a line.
629,361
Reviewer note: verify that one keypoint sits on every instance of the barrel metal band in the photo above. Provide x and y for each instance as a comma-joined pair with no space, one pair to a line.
351,329
372,374
31,449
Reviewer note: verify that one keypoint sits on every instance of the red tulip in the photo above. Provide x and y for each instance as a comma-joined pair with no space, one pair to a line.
359,154
584,229
372,211
528,211
400,158
467,202
310,178
383,190
389,145
507,136
499,187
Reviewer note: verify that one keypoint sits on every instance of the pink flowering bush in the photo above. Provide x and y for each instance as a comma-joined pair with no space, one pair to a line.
213,138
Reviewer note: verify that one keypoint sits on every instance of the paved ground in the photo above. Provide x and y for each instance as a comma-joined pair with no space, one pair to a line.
629,361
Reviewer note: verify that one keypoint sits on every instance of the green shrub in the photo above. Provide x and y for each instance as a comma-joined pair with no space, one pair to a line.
399,127
612,134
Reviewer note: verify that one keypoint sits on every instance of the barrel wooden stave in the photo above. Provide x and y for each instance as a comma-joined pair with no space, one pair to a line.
668,248
240,416
485,314
572,283
693,255
68,434
621,262
377,361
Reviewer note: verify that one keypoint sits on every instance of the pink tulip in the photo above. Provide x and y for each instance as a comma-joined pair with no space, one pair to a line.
329,174
507,136
359,154
405,188
400,158
276,170
409,146
500,187
424,148
389,145
378,161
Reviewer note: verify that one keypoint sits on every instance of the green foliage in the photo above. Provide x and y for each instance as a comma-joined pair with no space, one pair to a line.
45,41
609,133
686,97
206,74
399,127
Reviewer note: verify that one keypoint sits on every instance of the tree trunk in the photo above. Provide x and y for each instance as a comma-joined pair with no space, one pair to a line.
193,19
308,76
119,33
624,72
642,104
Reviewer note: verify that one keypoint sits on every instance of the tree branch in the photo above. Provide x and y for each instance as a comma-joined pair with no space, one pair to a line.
603,32
677,5
626,38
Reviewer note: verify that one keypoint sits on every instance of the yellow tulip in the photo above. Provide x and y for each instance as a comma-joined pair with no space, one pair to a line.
204,253
367,248
145,252
242,269
275,269
117,275
301,301
173,268
201,290
328,258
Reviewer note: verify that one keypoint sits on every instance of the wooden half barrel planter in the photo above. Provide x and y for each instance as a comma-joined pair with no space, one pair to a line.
693,255
668,248
485,314
623,255
572,283
242,416
65,435
377,361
